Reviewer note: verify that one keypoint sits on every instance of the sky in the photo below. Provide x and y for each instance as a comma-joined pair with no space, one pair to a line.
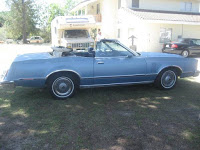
3,6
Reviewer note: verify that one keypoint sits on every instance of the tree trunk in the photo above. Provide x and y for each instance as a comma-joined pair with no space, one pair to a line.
24,23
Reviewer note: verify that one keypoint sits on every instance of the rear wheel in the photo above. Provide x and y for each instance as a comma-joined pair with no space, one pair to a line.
167,79
185,53
62,86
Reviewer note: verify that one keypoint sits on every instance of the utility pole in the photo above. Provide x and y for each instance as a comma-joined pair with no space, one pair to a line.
24,23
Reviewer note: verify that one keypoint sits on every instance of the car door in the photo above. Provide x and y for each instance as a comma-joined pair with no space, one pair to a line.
32,39
115,64
197,46
194,46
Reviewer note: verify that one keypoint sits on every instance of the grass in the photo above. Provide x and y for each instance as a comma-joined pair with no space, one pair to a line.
133,117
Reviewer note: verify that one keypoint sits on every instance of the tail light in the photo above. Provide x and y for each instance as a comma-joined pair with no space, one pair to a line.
174,46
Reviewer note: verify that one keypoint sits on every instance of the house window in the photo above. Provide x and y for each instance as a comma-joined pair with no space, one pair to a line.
165,35
119,4
186,6
135,3
83,12
119,33
79,12
98,9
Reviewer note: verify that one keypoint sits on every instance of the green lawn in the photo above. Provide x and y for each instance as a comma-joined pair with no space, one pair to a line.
118,118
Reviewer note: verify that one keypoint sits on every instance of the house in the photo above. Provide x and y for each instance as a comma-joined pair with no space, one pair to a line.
144,24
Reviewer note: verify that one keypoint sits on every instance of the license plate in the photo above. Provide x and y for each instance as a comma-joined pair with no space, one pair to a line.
167,46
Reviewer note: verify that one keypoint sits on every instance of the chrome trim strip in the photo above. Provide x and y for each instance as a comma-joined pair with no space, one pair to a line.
30,79
60,71
169,67
115,84
188,72
118,76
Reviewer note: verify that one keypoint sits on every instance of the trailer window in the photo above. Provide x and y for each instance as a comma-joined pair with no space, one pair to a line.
76,34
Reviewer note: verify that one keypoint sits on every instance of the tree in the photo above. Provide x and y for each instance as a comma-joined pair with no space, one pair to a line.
23,18
3,17
48,13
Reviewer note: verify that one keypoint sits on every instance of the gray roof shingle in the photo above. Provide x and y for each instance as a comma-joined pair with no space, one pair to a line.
165,15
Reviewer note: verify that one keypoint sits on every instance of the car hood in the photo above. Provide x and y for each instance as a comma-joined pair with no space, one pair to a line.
153,54
33,56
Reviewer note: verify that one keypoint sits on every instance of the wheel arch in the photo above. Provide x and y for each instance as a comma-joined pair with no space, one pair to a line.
177,68
75,74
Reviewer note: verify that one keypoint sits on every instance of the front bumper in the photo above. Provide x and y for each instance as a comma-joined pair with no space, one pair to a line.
190,74
196,74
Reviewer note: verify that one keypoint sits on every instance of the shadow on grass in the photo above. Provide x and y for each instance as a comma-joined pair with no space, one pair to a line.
132,117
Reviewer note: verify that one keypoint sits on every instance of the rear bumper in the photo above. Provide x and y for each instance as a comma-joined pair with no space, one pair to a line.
9,84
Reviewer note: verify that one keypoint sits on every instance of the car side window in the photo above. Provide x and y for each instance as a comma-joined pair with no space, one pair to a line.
111,49
195,42
198,42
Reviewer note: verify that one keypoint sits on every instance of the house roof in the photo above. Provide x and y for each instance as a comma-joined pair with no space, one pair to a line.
159,15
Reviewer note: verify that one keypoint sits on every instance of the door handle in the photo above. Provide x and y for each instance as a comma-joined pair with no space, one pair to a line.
100,62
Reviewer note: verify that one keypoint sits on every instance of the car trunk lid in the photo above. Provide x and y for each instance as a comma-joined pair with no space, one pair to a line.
33,56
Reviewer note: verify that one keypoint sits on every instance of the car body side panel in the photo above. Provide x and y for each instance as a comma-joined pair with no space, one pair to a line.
33,73
119,70
27,73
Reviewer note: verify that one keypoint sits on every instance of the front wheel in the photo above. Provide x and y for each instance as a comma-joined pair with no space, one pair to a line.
167,79
62,86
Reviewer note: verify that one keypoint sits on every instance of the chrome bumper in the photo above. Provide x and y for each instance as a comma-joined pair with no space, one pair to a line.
9,84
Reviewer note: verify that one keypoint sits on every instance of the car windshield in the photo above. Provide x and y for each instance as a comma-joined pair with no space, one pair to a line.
76,34
113,49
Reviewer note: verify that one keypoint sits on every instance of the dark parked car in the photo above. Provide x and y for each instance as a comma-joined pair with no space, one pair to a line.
184,47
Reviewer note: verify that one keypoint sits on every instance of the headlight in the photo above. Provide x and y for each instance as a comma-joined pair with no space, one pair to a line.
69,45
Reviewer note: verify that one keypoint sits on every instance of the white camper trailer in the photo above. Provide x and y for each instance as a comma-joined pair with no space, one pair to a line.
72,32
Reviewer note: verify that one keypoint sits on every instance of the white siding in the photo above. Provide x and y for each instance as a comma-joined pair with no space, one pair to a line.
153,35
109,18
170,5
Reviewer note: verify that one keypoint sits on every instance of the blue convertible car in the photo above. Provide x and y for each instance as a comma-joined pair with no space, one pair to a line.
110,64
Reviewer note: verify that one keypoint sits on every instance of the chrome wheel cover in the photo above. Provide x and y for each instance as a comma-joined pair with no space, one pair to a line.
185,54
168,79
63,87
